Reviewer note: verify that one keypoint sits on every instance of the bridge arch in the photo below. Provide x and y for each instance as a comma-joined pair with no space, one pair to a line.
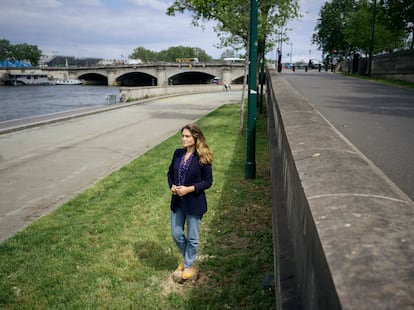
191,77
239,80
93,79
136,79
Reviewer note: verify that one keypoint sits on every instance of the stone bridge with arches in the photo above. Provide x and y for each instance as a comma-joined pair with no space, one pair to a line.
155,74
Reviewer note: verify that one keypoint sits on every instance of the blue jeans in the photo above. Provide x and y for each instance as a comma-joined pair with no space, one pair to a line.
188,245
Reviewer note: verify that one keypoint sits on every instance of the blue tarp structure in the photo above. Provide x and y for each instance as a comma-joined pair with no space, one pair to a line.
6,63
22,64
14,64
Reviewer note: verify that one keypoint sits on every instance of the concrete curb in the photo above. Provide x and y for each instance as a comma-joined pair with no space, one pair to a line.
350,226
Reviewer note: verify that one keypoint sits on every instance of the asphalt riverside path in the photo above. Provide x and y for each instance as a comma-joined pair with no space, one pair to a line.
377,119
53,158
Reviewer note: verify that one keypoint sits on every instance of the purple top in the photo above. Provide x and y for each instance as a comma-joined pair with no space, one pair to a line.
182,169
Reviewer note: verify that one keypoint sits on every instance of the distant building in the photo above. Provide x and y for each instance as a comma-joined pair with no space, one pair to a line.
234,60
134,61
110,62
44,59
66,61
117,62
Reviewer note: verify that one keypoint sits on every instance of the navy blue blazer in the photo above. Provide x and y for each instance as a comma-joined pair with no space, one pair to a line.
201,176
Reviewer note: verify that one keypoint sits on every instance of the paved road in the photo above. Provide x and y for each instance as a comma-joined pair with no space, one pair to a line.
377,119
42,167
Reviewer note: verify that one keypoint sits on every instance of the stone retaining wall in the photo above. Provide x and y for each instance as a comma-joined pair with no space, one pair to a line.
395,66
339,223
138,93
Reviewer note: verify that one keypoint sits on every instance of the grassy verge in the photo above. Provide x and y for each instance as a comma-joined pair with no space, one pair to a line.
110,247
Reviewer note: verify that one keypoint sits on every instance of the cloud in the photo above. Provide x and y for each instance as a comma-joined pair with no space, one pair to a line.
154,4
111,28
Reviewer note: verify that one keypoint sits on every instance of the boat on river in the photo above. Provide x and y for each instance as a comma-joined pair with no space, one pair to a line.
69,82
27,79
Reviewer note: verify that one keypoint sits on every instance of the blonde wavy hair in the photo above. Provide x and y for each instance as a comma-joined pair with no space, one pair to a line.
204,153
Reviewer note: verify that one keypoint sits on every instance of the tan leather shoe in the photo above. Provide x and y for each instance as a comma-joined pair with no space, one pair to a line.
188,273
180,267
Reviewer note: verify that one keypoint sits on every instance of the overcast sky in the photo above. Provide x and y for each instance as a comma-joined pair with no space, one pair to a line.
111,29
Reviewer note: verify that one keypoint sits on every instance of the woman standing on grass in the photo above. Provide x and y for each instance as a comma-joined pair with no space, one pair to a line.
189,174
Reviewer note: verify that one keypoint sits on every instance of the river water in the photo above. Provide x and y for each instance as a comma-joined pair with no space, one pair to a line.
25,101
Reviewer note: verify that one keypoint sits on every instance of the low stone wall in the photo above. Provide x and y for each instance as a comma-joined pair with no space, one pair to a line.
339,223
391,66
138,93
395,66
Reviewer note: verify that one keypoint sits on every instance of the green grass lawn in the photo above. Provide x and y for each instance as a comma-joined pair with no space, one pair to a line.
110,247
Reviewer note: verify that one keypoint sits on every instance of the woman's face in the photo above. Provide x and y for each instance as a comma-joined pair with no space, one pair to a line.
187,139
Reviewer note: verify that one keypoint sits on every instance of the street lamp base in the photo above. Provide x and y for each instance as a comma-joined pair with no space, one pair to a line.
249,170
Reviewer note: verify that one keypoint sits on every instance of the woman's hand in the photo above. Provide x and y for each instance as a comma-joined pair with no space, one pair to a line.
182,190
174,189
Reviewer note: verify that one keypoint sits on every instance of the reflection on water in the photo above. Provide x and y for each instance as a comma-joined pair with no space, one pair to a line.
25,101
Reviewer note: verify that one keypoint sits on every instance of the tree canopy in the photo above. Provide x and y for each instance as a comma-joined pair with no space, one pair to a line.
19,52
399,15
345,26
232,17
329,34
170,54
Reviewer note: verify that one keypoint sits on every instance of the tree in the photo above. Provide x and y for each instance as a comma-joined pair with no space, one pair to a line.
399,15
170,54
22,52
345,25
329,30
143,54
233,19
5,49
358,30
28,52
